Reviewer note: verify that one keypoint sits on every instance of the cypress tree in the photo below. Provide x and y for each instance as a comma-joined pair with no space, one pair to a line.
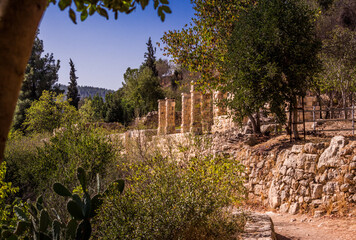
150,58
72,94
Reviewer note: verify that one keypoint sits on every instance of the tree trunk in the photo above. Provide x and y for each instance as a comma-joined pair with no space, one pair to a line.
19,20
344,104
294,121
256,126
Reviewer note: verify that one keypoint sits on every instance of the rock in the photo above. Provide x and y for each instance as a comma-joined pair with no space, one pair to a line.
310,148
291,161
316,191
251,140
329,188
284,196
352,189
284,208
293,209
352,166
299,174
273,197
349,178
319,213
344,187
297,148
324,177
258,189
283,170
329,157
268,128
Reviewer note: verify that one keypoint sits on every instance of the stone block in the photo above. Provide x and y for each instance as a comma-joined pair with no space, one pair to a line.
297,148
329,159
316,191
294,208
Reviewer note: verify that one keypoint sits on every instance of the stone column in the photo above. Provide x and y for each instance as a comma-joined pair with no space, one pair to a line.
161,117
207,113
196,99
186,112
170,116
218,109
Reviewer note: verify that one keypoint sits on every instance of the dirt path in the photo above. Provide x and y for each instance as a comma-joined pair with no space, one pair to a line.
301,227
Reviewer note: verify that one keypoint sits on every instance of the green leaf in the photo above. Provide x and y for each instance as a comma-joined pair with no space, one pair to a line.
71,228
61,190
84,15
166,9
96,202
83,230
75,210
20,214
56,229
156,3
87,205
73,16
63,4
82,177
21,227
77,199
118,185
44,220
102,12
92,10
164,1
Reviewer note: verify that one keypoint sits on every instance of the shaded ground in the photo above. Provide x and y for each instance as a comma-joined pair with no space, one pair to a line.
300,227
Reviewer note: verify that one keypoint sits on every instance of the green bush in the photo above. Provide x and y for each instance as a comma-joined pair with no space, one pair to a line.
21,155
36,162
170,199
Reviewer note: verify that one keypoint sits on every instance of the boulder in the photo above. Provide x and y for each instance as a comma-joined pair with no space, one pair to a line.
329,158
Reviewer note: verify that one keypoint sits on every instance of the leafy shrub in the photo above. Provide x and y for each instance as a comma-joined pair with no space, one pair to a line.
36,162
170,199
6,189
49,112
21,155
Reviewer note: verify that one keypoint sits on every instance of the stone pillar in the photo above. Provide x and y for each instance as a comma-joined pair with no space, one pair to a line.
196,99
161,117
186,112
207,113
218,109
170,116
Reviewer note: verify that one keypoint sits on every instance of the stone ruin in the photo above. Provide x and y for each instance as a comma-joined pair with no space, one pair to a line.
198,113
201,114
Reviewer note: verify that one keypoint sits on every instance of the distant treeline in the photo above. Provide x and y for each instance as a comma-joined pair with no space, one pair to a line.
87,91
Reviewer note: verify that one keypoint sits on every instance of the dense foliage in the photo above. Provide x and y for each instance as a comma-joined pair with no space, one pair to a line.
271,59
48,113
173,197
41,74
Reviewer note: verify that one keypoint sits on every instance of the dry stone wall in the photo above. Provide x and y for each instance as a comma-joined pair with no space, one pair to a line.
310,177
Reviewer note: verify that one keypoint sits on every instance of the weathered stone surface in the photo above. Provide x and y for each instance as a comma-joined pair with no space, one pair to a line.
349,178
268,128
344,187
259,227
294,208
329,188
316,191
284,208
297,148
273,196
329,157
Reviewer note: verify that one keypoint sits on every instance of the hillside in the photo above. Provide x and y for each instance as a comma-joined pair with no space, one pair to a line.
88,91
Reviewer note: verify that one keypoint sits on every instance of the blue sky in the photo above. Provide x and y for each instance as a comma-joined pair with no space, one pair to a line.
103,49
